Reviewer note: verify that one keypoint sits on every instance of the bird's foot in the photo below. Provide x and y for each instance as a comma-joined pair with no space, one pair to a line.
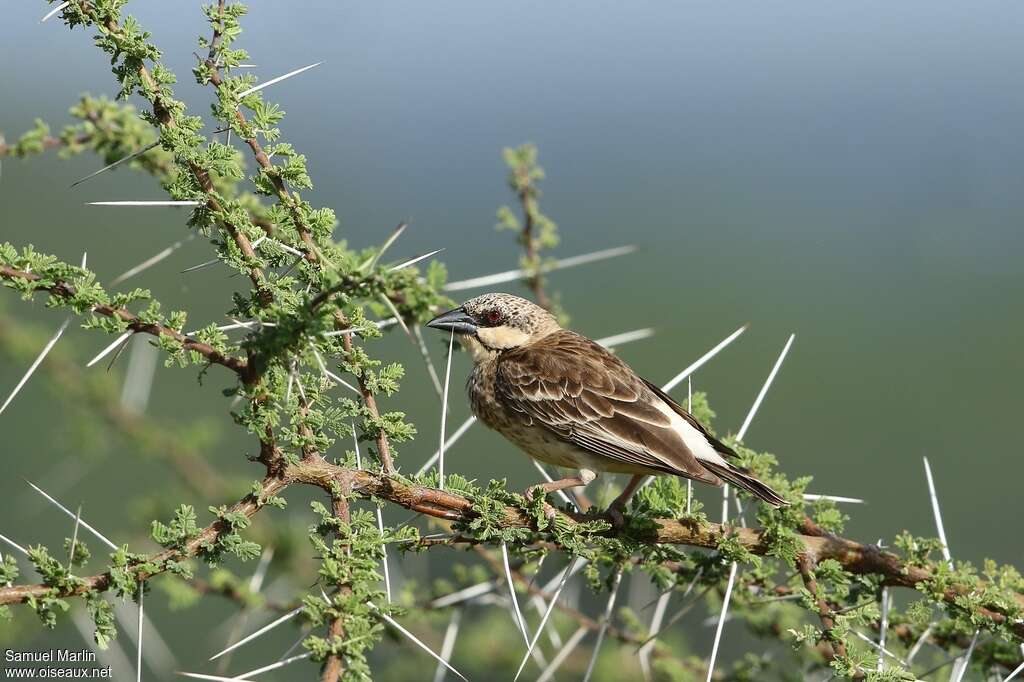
615,514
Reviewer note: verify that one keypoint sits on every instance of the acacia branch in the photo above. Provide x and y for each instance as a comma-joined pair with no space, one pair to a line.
101,582
855,557
283,195
163,111
63,290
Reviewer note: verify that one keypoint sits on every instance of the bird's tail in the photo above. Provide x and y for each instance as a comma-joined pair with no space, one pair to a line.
744,480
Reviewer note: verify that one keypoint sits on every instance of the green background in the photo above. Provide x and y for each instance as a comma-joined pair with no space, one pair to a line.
850,172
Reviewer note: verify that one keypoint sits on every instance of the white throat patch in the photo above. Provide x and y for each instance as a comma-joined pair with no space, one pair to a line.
503,337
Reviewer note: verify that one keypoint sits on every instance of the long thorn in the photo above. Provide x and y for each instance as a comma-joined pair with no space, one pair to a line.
448,443
106,351
74,538
512,275
391,621
938,514
547,614
721,621
144,203
102,538
54,11
414,260
520,623
465,594
450,635
272,81
392,238
138,657
151,261
266,628
279,664
764,389
123,159
444,411
962,666
700,362
563,654
14,544
625,337
605,620
35,363
425,354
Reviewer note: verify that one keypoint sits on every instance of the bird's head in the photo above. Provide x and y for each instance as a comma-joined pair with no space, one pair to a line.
492,323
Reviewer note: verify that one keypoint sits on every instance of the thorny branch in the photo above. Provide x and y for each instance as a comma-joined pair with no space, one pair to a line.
858,558
66,291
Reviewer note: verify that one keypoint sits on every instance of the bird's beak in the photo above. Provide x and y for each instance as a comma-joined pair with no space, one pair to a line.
456,320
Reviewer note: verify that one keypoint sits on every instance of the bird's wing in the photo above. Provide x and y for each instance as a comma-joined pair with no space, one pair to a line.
583,394
718,445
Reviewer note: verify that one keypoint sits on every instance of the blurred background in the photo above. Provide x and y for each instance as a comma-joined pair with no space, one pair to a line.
850,172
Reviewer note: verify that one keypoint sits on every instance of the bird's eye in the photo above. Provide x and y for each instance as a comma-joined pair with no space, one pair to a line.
493,316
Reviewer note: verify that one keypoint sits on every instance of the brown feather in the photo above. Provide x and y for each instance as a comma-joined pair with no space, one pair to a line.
584,395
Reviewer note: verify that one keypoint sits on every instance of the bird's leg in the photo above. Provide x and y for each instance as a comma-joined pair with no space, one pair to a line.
585,477
617,506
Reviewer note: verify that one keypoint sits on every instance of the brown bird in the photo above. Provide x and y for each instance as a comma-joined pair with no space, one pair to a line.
567,401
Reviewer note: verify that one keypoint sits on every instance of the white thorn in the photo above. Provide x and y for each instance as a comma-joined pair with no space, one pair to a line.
380,522
74,538
392,238
35,363
277,664
625,337
266,628
151,261
281,245
833,498
397,316
605,620
448,443
563,654
1016,671
144,203
883,628
465,594
213,678
329,374
764,390
123,159
138,658
14,544
272,81
656,619
920,642
444,412
425,354
874,645
512,275
204,264
544,619
938,514
962,663
721,621
699,362
520,623
72,514
106,351
414,260
391,621
54,11
450,635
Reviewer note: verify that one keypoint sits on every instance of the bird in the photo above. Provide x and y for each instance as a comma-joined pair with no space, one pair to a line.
567,401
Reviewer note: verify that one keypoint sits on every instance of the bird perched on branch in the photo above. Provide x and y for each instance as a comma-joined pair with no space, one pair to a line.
567,401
